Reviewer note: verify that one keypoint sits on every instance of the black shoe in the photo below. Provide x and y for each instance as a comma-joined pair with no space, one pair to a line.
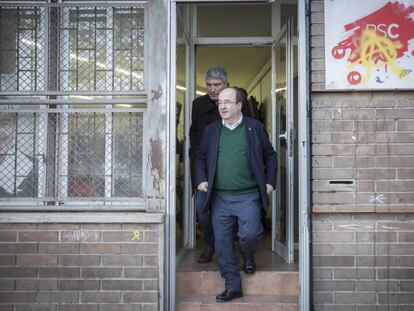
228,295
249,265
207,254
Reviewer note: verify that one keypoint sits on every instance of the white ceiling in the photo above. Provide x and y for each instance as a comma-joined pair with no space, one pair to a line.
242,64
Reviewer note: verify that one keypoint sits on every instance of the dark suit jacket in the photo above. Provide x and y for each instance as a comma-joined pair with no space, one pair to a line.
204,112
260,153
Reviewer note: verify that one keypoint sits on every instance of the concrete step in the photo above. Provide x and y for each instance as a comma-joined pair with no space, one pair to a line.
279,283
246,303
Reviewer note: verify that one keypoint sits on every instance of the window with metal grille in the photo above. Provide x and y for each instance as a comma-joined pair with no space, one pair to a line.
101,49
22,49
70,151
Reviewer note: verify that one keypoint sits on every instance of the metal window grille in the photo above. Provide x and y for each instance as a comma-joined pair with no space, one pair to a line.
76,154
59,55
101,49
22,48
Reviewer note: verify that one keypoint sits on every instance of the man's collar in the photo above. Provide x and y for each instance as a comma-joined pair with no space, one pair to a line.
234,125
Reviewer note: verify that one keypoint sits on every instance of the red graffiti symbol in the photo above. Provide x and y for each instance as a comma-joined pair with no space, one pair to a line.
391,21
354,77
338,52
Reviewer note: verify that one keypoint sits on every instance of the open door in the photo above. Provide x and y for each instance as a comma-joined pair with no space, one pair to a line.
283,138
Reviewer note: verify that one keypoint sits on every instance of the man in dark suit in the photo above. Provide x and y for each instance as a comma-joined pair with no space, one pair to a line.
204,111
236,166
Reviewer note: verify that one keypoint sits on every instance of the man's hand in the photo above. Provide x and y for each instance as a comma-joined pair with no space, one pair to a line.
269,189
203,186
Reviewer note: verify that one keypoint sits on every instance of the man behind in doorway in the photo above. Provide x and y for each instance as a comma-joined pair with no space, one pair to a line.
204,112
236,166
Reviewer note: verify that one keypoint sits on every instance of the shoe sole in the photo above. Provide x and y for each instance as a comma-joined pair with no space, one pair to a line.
221,300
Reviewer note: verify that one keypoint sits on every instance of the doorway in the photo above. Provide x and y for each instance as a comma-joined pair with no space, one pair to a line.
259,55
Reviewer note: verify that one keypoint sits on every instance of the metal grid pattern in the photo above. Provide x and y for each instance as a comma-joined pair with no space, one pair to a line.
101,49
22,48
65,153
53,48
71,155
18,158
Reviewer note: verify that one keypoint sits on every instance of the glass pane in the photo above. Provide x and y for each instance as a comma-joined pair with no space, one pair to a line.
127,155
289,11
22,49
180,16
241,20
179,186
86,155
104,154
18,161
101,49
280,90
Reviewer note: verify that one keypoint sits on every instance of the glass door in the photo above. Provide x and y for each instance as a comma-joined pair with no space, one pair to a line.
183,103
283,130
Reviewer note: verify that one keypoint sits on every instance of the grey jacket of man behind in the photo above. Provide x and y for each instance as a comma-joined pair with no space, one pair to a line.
260,153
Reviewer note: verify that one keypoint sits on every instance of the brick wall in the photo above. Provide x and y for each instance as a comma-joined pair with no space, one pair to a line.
363,230
64,267
363,262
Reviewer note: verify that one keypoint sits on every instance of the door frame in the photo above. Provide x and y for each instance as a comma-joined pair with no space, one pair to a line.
303,153
286,251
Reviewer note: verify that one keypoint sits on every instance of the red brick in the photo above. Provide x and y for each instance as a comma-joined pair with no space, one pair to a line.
101,227
131,285
59,248
18,248
59,226
80,260
154,307
17,227
21,297
17,272
142,297
7,260
101,297
37,260
140,227
334,261
151,261
36,307
120,307
141,273
57,297
100,248
8,236
78,285
150,285
6,285
151,236
141,248
38,236
59,272
122,260
79,307
101,273
122,236
36,284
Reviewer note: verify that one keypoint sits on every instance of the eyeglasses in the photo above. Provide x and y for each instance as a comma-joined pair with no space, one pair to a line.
225,103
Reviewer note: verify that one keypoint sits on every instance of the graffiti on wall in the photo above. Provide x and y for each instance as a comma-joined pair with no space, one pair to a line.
369,44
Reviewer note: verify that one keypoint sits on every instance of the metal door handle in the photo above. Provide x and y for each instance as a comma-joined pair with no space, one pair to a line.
283,136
